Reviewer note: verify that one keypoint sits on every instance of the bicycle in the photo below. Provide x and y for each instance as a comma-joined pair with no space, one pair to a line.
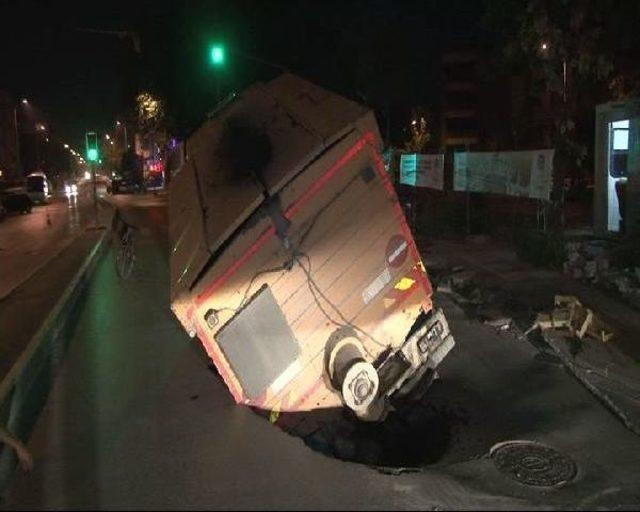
125,256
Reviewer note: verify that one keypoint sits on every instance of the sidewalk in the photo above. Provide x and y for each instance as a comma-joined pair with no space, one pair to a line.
611,371
495,264
32,317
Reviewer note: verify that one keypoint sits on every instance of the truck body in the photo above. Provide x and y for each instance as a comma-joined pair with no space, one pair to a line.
291,258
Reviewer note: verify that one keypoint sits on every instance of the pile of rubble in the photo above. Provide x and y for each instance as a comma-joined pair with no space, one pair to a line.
590,260
485,303
578,320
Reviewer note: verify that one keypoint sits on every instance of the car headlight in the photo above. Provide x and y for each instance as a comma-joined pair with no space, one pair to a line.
74,188
67,189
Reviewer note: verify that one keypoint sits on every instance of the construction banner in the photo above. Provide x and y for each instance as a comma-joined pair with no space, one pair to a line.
512,173
422,170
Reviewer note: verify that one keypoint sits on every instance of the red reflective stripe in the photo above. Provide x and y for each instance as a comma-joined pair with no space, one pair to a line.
422,276
264,238
291,211
315,188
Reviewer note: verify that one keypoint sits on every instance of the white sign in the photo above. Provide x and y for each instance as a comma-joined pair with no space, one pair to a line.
513,173
422,170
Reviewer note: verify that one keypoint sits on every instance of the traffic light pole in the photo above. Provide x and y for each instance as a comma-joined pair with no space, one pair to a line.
95,194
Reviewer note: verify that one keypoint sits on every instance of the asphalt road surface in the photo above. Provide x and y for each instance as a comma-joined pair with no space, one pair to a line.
136,419
29,241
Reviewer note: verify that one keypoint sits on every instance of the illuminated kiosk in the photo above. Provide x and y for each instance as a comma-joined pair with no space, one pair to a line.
616,194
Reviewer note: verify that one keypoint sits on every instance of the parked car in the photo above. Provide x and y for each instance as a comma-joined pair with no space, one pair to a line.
15,200
123,186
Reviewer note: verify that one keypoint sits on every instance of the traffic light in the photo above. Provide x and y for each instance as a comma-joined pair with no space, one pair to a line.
92,146
217,54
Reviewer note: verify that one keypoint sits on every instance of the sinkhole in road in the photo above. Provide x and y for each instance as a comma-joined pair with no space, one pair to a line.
415,434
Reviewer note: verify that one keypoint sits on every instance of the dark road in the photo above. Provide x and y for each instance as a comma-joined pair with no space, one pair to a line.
137,420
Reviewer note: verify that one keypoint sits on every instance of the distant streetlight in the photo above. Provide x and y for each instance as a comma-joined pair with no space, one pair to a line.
42,127
66,146
106,136
544,49
25,101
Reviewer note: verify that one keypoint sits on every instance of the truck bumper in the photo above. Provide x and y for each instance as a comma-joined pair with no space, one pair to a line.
402,370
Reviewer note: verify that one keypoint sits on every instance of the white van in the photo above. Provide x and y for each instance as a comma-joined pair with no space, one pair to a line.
38,187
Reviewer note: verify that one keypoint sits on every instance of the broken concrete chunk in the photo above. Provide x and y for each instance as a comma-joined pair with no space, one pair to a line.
570,314
460,279
502,324
590,269
561,317
444,286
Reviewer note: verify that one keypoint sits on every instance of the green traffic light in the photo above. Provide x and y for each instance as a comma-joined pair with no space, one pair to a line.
92,154
217,55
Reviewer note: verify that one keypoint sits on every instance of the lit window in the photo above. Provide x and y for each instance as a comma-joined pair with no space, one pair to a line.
620,139
620,124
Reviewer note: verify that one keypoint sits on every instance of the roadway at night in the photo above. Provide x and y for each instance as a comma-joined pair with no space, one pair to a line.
29,241
136,419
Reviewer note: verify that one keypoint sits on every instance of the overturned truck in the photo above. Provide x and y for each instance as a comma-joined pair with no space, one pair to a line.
292,261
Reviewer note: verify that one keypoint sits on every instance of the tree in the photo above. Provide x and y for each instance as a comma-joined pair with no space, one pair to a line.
151,120
575,50
420,136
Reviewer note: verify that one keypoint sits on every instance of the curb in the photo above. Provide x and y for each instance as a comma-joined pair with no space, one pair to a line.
25,388
623,408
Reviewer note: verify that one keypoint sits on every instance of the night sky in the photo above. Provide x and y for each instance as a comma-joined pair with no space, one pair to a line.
372,50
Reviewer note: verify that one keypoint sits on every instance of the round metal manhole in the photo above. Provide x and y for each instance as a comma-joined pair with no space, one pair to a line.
532,463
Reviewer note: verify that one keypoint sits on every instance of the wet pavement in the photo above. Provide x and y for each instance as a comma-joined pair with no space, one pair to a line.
29,241
136,419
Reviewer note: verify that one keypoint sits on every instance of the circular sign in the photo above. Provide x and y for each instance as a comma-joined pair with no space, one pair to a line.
397,250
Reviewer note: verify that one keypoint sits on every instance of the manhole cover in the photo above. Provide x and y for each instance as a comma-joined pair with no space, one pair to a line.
533,463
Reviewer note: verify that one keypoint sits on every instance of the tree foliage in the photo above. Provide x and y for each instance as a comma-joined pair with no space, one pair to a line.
579,51
420,136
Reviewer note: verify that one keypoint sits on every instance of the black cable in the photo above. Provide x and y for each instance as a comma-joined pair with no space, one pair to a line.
312,284
248,289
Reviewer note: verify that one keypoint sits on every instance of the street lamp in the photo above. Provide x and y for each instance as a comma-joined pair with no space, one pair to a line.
544,49
118,123
15,122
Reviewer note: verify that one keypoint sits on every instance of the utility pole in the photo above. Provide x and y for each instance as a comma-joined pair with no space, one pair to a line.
18,159
91,139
